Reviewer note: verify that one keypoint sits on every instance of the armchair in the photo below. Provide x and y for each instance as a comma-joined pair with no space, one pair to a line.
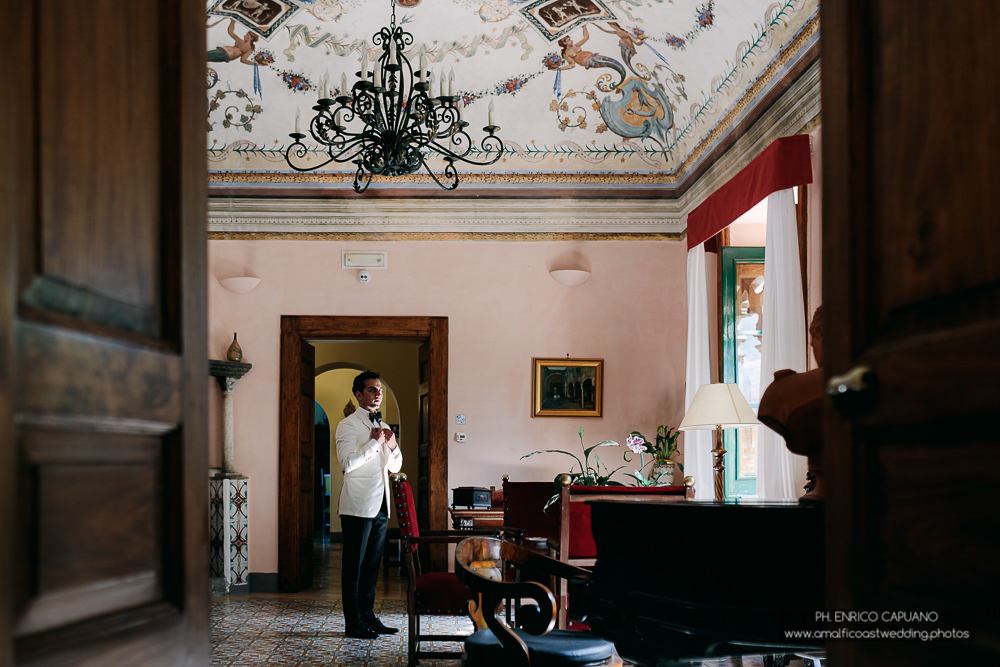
479,562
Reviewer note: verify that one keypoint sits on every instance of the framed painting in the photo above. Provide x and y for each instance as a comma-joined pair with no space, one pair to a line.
567,387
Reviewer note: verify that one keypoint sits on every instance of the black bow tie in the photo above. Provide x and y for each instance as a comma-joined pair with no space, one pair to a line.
376,417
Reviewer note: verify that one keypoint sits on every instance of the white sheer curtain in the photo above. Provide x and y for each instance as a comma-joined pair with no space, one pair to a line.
781,474
697,444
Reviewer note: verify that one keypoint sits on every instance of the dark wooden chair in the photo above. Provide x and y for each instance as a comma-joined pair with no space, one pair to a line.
431,593
575,542
479,564
525,524
523,518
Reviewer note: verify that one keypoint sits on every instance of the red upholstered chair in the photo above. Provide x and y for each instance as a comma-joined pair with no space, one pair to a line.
526,524
523,517
433,593
575,542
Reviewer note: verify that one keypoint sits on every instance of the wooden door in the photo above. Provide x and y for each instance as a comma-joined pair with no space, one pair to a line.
911,286
103,358
295,329
298,406
424,436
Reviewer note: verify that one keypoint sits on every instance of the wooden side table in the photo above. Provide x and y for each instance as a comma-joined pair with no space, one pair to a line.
469,519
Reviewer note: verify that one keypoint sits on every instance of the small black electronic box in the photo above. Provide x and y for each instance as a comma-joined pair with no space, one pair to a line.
472,497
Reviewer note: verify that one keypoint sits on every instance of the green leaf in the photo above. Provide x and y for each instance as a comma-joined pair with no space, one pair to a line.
550,503
555,451
606,443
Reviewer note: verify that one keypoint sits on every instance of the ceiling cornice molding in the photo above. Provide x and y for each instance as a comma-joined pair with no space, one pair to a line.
615,216
789,114
229,217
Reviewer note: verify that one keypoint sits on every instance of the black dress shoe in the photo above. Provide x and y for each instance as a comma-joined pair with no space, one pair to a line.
360,630
376,625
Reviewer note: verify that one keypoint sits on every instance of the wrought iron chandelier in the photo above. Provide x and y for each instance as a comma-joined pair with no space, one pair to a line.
389,125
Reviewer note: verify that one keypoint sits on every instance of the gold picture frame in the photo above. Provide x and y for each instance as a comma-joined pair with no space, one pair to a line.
567,388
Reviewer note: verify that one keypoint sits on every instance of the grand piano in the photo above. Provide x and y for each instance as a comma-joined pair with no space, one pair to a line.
679,582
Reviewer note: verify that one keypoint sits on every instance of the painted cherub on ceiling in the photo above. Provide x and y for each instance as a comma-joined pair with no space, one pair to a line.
240,50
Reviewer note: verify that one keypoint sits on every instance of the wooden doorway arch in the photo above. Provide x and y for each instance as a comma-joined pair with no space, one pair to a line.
295,470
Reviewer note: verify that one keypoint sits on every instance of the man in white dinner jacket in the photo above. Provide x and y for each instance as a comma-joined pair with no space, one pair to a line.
368,452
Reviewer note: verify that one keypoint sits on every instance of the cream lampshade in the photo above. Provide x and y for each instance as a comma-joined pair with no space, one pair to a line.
718,406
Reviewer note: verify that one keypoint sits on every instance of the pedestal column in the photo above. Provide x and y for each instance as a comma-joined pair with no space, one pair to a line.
228,526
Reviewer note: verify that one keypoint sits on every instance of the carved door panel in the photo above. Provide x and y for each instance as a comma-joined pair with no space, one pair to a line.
103,360
307,458
297,454
911,257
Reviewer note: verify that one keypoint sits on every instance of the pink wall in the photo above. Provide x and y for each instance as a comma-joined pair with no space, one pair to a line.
503,309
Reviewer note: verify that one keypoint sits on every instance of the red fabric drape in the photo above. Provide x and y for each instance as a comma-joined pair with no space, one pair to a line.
782,165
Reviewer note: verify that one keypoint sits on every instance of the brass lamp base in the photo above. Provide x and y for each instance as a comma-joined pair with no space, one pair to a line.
720,467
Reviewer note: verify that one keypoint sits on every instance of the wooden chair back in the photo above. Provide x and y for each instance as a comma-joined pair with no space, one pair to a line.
406,516
479,564
522,510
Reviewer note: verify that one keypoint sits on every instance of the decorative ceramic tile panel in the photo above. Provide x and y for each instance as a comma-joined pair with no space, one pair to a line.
228,532
216,535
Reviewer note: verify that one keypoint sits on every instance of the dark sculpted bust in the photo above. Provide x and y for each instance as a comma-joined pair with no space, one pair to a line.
792,406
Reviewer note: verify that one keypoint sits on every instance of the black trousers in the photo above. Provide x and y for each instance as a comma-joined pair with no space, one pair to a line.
364,541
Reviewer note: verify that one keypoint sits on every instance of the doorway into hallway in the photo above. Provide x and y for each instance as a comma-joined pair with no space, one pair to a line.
302,348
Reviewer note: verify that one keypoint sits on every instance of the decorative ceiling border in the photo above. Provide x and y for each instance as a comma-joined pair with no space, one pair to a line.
616,216
438,236
514,219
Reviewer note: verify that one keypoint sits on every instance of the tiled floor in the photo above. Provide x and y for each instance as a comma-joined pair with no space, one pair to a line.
306,629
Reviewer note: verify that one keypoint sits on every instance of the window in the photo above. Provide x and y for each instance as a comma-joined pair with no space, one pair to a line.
742,299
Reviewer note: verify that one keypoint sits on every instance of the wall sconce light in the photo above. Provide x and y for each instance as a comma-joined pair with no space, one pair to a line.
570,277
240,285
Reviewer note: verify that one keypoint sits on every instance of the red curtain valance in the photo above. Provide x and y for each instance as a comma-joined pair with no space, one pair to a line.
782,165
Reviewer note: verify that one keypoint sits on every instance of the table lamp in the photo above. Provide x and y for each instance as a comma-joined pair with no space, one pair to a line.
718,406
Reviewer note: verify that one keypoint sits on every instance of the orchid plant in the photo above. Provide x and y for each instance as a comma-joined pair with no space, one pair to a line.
587,475
665,446
664,449
637,444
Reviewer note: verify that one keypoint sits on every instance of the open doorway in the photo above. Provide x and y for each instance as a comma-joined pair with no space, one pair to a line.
337,364
296,486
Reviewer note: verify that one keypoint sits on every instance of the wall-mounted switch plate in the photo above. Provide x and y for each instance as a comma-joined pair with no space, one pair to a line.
459,437
459,419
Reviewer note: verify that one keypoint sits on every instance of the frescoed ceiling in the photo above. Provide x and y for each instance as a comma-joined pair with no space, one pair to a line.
605,92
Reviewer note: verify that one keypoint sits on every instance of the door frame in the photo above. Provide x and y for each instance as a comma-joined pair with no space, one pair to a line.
296,328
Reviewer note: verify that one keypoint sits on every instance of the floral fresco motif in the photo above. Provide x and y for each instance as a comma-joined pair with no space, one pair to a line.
704,19
247,112
579,86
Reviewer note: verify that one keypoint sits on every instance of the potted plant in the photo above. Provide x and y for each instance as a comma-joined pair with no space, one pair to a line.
587,475
663,449
637,445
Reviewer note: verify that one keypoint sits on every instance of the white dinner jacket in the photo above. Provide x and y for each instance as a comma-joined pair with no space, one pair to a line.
366,465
